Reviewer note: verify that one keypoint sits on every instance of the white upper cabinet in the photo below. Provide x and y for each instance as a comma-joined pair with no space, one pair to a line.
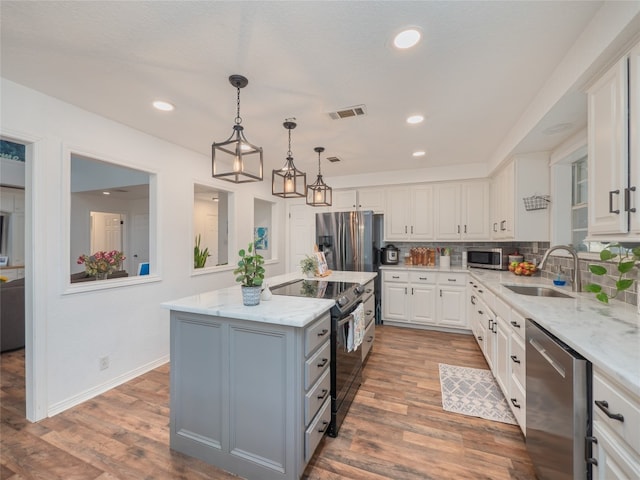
361,199
524,177
462,211
614,158
409,213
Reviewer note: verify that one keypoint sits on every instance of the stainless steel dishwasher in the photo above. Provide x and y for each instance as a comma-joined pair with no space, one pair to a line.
558,410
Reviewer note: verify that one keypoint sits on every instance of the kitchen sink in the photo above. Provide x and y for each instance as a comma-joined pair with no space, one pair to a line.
537,291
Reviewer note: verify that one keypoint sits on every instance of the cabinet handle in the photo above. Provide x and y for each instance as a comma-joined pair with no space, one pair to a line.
515,324
441,292
473,300
323,332
458,229
604,406
324,394
324,427
412,229
323,363
495,226
480,291
627,200
370,339
491,324
611,193
452,280
405,229
368,290
405,290
479,339
411,290
368,312
465,229
515,403
422,278
480,312
515,359
394,276
503,225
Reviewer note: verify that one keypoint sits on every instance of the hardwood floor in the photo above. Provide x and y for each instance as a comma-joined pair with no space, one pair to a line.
395,429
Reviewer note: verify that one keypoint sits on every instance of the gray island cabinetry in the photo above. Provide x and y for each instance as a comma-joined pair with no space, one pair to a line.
250,395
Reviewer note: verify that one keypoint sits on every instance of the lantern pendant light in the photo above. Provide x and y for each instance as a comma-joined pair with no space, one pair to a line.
236,159
289,182
319,193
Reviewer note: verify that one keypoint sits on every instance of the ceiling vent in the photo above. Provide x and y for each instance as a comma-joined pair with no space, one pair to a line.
333,159
355,111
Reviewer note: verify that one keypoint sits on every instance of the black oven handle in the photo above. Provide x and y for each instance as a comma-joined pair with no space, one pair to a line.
347,316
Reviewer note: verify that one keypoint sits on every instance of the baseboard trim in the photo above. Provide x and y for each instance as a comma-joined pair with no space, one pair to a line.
70,402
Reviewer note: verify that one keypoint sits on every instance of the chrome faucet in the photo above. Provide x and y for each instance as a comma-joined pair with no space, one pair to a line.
575,280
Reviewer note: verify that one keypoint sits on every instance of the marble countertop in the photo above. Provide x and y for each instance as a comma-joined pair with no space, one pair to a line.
606,335
279,310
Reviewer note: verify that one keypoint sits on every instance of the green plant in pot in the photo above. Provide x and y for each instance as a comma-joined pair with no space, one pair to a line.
309,265
626,261
250,274
199,255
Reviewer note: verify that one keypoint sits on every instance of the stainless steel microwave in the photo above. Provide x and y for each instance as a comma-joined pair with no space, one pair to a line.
491,258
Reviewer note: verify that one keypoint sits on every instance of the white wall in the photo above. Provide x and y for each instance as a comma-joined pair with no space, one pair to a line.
72,330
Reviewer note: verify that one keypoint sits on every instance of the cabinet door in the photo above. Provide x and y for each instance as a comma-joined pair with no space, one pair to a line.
372,199
506,226
423,306
615,462
447,214
475,211
397,214
634,137
344,200
395,302
452,307
490,344
421,225
607,159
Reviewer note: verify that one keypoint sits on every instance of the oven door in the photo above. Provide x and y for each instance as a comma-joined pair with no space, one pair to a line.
346,372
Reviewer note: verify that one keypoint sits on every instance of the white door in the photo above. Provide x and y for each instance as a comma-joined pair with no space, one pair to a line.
139,242
106,231
302,233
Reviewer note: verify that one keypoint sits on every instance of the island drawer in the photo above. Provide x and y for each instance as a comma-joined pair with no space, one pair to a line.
316,365
314,399
367,341
316,430
369,309
395,276
517,360
369,289
317,334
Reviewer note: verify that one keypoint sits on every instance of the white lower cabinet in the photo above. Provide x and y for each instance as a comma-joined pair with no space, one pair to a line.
422,297
616,431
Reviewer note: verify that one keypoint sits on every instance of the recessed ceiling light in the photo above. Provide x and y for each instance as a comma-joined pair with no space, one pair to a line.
164,106
413,119
106,193
407,38
419,153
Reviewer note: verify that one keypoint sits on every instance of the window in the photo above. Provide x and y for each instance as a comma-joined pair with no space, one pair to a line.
210,226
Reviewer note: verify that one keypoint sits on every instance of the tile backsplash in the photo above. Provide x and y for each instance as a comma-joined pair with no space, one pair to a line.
551,268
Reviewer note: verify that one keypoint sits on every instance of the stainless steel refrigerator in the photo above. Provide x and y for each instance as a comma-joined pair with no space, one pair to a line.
351,242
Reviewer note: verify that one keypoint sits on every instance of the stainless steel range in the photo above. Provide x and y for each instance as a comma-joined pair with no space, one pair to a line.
346,367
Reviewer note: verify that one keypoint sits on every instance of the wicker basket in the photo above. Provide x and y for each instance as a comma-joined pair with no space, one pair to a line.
536,202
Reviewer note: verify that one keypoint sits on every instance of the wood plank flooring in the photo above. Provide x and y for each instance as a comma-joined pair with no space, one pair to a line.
395,429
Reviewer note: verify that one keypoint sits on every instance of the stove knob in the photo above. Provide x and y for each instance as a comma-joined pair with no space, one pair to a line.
359,289
342,301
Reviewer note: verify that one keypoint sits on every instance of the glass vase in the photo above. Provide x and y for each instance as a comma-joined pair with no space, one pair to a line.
101,275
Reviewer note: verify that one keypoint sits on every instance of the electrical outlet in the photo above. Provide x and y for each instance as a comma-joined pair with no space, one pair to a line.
103,362
534,248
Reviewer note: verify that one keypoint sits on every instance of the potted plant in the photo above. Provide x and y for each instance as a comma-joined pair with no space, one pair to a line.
250,274
309,265
627,259
102,263
199,256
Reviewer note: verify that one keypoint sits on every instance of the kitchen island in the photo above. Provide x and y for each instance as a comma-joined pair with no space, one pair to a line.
249,385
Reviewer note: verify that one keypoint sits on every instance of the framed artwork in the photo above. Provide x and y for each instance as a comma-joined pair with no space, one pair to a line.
322,263
4,261
261,238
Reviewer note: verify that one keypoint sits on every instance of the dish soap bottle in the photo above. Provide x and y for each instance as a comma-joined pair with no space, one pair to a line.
560,280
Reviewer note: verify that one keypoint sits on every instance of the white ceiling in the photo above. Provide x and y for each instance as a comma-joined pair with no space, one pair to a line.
479,66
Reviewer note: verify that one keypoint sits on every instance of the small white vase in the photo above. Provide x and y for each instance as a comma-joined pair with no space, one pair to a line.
266,294
445,261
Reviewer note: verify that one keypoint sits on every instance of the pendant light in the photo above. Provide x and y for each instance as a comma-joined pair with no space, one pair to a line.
236,160
319,193
289,182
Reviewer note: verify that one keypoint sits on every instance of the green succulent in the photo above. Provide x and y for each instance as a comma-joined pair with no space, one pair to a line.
250,272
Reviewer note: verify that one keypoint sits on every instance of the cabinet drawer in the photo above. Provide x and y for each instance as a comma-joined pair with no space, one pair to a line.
517,324
395,276
503,310
423,277
314,399
452,279
517,402
316,430
316,365
369,290
369,309
517,360
618,403
317,334
369,337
